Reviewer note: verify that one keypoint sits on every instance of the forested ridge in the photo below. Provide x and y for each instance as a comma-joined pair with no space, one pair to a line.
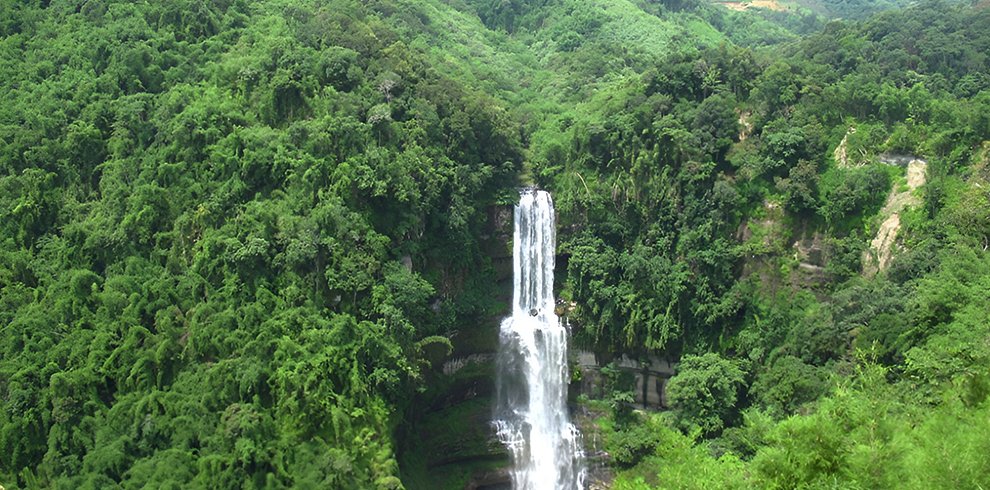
206,210
238,239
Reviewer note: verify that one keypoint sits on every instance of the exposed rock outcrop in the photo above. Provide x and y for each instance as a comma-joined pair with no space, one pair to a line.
841,153
883,245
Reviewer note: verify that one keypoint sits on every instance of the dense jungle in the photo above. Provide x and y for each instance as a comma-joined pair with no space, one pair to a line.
245,244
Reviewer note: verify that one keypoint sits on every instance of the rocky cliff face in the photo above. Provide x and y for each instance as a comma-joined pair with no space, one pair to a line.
884,244
450,442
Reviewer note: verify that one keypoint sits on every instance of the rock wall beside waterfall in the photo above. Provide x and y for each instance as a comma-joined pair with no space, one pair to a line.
451,444
649,377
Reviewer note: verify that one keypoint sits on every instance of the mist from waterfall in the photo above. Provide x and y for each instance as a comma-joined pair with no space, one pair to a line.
531,408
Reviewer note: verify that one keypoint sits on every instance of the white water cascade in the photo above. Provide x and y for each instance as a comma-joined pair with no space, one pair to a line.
531,412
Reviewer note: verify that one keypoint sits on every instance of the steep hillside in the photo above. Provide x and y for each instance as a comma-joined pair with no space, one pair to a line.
263,244
238,237
232,235
742,256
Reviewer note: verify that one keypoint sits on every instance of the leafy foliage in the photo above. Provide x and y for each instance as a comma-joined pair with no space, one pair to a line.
795,366
236,236
704,391
208,213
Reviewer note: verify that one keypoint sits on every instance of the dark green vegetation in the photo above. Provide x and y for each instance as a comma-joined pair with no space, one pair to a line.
205,211
851,9
208,212
798,371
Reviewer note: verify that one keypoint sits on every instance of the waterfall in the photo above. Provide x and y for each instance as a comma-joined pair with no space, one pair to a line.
531,408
